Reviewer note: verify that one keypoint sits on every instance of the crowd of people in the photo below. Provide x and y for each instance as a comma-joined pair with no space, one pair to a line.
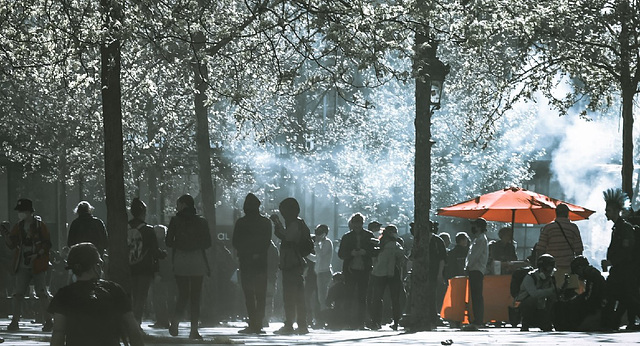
381,271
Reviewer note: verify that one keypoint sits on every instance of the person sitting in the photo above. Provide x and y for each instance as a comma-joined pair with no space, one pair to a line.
584,311
92,311
503,250
337,299
537,295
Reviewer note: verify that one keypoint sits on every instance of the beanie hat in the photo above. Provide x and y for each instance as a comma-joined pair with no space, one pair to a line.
137,207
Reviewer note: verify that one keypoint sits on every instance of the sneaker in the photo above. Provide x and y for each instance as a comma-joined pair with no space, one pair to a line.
48,326
285,330
302,331
195,335
13,326
173,329
394,326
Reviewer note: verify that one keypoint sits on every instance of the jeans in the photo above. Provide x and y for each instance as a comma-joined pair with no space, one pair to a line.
254,285
22,280
357,282
380,283
476,279
189,289
139,291
293,296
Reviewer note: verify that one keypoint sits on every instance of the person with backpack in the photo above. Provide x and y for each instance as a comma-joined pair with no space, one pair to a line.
30,241
87,228
251,238
357,250
622,282
144,254
295,245
537,295
188,236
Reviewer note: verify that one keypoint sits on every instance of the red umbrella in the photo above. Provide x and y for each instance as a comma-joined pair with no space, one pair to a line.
513,205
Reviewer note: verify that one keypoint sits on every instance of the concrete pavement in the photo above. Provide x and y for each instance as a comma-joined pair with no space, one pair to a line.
31,334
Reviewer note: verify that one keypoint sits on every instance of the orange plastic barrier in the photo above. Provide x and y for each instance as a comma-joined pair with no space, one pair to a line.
457,304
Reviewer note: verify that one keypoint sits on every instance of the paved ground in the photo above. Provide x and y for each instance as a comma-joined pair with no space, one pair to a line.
30,334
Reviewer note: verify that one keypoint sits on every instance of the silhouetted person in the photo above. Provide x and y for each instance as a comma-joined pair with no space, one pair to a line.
251,239
323,257
272,277
476,267
538,293
31,242
295,239
503,250
92,311
387,273
561,239
337,302
188,236
87,228
356,251
144,254
437,258
622,284
162,287
584,311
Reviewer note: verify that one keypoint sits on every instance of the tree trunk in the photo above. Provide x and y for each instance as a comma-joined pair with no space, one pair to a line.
113,147
628,91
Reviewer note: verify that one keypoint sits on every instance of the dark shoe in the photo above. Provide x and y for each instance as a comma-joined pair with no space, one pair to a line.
159,325
48,326
632,326
285,330
394,326
173,329
302,331
247,330
195,335
13,326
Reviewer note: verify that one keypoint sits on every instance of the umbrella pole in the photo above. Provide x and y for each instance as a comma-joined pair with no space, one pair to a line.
513,220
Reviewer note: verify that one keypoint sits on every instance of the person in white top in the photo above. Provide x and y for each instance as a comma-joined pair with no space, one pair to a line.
476,267
322,258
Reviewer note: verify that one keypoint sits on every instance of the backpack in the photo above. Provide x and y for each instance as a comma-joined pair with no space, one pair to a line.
305,245
516,279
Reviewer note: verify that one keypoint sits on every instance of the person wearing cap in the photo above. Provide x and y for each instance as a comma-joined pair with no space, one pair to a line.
387,273
31,242
87,228
188,236
92,311
584,311
476,267
374,227
251,238
538,293
561,239
144,254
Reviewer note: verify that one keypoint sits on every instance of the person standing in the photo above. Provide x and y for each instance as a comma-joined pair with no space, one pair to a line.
476,267
622,285
561,239
295,245
188,236
503,250
87,228
251,238
162,287
357,250
31,242
144,254
387,273
92,311
323,256
435,281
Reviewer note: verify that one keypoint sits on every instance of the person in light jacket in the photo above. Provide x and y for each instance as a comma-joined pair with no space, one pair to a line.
386,273
476,267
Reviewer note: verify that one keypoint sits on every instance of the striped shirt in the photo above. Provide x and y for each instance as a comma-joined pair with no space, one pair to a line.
554,243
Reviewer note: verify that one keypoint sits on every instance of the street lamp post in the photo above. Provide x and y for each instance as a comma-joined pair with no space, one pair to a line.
429,73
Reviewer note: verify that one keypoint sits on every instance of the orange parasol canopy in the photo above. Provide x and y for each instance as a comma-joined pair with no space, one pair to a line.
515,205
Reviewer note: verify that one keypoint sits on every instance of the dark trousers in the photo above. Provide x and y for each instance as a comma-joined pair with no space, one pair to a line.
357,282
532,316
379,284
293,296
140,284
476,279
189,289
254,285
622,296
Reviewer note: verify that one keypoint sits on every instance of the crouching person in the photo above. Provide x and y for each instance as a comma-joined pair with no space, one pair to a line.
92,311
584,311
537,295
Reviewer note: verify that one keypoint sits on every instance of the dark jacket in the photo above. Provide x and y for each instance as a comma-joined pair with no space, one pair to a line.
455,261
349,242
188,231
252,236
144,252
621,249
88,228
